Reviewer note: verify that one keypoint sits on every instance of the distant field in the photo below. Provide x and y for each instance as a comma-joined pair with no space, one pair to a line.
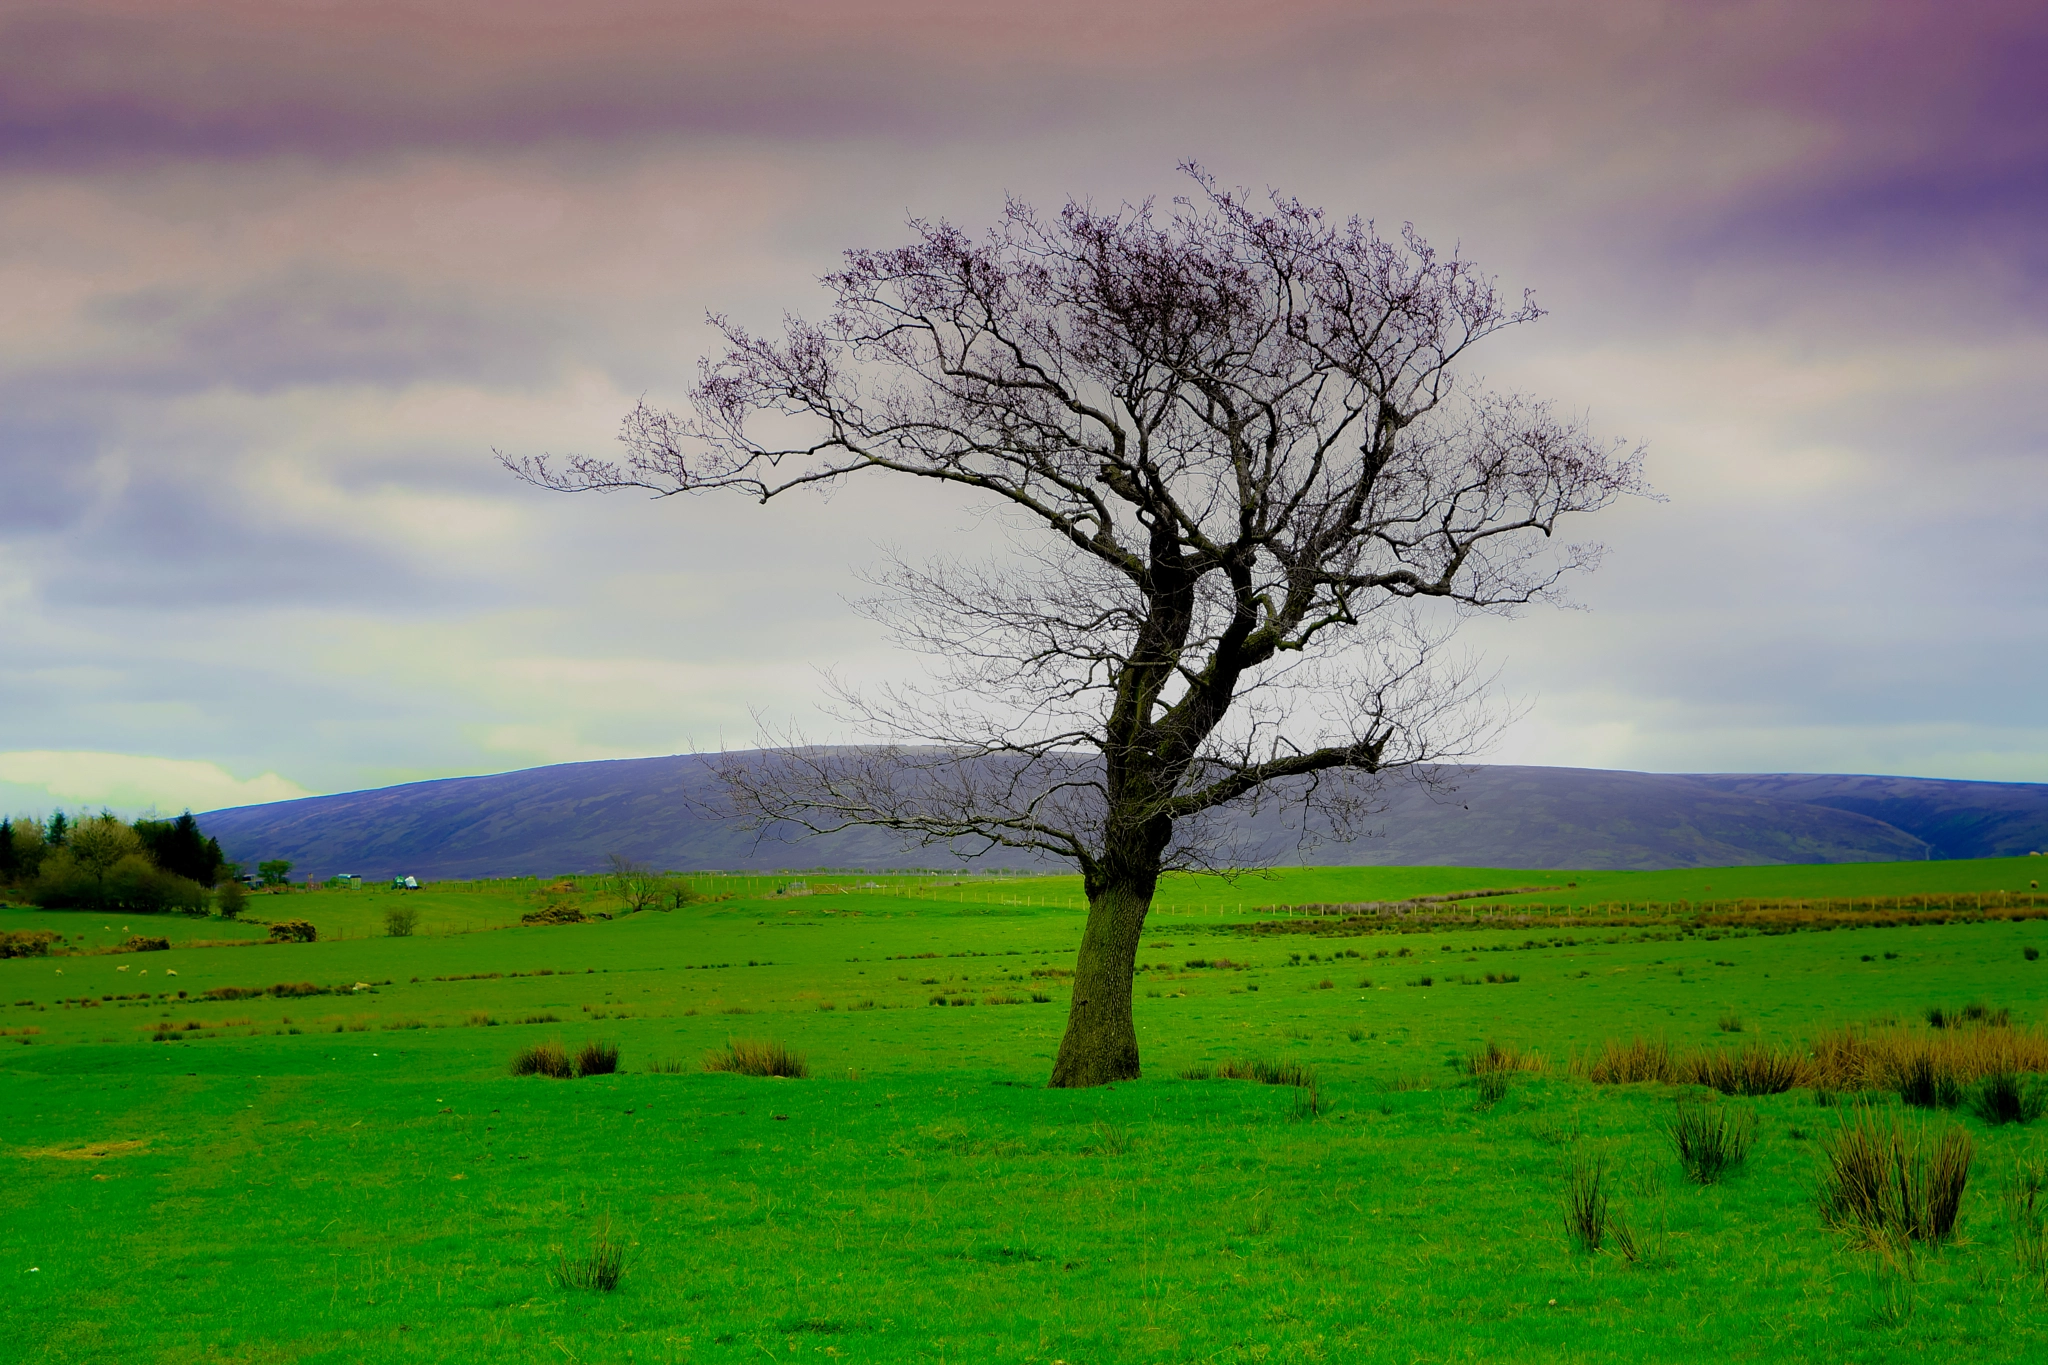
351,1175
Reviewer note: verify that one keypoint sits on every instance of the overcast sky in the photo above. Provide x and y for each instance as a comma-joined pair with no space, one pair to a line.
275,279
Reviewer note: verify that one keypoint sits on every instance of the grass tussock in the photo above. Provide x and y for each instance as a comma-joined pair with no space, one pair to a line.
1930,1069
1494,1065
1711,1139
1267,1072
1885,1180
597,1269
757,1057
2004,1097
2025,1203
543,1059
1585,1203
1757,1069
1639,1059
597,1059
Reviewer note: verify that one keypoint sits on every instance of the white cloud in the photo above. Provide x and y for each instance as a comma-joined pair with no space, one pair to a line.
136,782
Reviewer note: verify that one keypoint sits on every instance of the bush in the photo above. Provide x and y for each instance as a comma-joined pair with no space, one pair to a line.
1711,1139
554,914
26,943
400,921
1885,1180
141,943
293,931
542,1059
231,898
597,1059
753,1057
2030,953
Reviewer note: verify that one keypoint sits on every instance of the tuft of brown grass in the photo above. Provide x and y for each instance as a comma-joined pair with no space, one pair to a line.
1498,1057
543,1059
757,1057
1947,1060
1639,1059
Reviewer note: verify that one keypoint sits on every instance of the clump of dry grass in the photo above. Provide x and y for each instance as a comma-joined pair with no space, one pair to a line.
543,1059
1946,1060
1503,1057
1758,1069
1639,1059
757,1057
1884,1180
1492,1066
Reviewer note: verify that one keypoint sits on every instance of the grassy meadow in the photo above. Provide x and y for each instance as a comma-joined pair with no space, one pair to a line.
242,1151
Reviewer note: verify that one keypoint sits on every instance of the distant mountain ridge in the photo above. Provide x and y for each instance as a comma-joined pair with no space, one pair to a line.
570,817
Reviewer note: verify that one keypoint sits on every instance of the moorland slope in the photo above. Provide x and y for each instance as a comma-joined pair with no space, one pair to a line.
570,817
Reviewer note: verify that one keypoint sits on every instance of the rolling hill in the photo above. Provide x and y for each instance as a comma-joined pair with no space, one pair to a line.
570,817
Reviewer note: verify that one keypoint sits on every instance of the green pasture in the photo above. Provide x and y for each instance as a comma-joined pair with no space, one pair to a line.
353,1176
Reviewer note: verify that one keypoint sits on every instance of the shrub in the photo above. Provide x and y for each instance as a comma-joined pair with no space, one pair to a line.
143,943
2004,1097
754,1057
2030,953
1711,1139
1885,1180
400,921
597,1059
1731,1022
293,931
542,1059
231,899
26,943
554,914
292,989
1498,1057
1585,1203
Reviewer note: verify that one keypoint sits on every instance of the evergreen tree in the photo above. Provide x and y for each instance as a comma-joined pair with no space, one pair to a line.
179,847
58,831
8,858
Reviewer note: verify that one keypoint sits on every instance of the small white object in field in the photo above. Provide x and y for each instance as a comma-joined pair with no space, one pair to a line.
361,986
120,969
170,971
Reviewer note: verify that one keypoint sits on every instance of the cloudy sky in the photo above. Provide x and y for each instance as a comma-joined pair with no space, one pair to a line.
276,278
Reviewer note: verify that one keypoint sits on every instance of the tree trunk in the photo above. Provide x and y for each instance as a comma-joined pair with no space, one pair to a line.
1101,1045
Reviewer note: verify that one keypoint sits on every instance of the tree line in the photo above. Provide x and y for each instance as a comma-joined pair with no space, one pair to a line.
102,862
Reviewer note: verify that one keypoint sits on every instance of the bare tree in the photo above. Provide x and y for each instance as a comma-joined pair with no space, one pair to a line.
637,885
1242,433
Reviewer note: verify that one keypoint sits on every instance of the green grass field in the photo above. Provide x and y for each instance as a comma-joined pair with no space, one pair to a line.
354,1175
